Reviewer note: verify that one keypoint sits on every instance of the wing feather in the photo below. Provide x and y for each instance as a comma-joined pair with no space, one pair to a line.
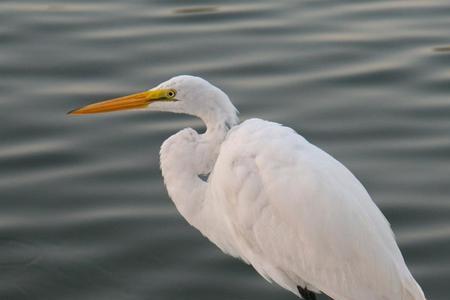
301,218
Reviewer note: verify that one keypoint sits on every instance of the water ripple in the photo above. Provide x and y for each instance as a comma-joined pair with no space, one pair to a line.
84,211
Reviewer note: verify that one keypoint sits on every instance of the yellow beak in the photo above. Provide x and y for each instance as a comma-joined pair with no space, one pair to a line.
133,101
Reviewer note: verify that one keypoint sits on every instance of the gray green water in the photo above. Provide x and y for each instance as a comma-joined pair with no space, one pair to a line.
83,210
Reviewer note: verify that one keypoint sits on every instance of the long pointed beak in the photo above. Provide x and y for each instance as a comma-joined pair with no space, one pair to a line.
133,101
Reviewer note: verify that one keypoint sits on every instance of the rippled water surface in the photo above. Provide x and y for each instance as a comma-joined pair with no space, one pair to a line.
83,210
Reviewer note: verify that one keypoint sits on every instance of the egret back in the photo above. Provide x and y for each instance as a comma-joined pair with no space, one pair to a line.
301,218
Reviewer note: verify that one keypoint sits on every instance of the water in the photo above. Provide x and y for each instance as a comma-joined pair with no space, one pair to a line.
84,213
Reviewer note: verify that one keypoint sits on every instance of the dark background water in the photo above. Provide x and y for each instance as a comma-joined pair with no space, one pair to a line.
83,210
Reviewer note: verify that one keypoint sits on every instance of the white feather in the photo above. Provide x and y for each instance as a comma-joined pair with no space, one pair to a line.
281,204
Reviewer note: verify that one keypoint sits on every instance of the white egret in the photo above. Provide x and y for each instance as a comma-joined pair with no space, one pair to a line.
273,199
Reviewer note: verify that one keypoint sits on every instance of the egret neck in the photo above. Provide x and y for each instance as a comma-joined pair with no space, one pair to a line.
187,158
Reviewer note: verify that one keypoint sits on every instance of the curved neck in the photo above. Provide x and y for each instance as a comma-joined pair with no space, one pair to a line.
186,156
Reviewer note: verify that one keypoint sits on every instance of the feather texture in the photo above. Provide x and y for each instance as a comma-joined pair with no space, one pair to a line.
279,203
301,218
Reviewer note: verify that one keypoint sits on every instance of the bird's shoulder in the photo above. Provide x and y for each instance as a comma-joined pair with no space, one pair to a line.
271,148
259,129
259,137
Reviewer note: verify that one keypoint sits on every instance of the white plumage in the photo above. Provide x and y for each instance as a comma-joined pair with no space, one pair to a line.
300,217
279,203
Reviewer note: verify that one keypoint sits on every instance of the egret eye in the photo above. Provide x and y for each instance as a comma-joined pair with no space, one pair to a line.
171,93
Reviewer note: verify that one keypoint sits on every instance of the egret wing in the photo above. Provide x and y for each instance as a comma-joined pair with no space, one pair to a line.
301,218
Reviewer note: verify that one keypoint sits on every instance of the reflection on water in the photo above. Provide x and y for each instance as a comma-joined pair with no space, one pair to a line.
84,213
196,10
442,49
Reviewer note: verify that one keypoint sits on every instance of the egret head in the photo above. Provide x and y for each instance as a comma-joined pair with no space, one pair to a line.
181,94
